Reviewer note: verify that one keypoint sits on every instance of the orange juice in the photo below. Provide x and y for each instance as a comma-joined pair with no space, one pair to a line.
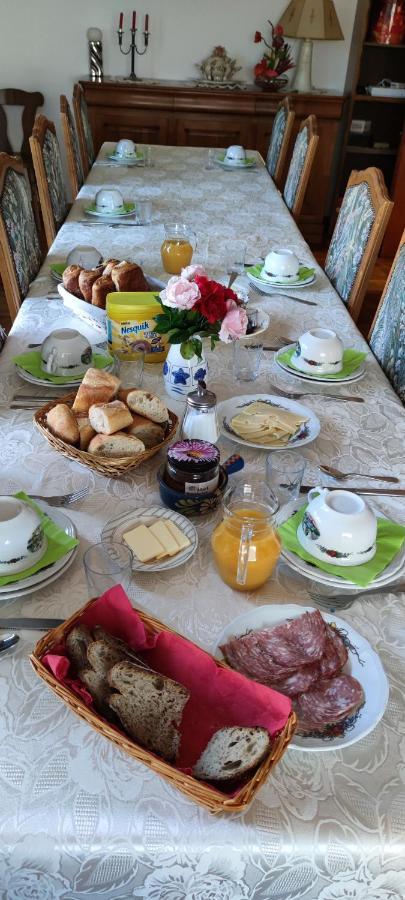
263,550
176,254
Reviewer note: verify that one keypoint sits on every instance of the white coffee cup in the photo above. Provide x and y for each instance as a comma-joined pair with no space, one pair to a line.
281,264
125,148
109,200
22,539
66,352
235,154
87,257
319,352
338,527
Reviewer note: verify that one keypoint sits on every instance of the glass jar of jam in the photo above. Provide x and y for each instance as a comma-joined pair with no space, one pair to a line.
192,467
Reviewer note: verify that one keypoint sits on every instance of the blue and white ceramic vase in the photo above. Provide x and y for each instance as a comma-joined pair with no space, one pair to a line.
181,375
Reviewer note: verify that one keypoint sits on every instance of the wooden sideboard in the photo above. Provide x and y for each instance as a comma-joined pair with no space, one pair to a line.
182,114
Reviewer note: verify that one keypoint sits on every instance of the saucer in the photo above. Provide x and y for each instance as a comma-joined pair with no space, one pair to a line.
269,284
324,379
116,528
127,160
126,210
74,382
246,163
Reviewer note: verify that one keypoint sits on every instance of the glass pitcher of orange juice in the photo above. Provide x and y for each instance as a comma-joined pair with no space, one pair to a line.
245,544
178,247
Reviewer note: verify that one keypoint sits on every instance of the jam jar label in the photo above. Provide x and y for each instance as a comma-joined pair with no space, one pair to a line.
204,487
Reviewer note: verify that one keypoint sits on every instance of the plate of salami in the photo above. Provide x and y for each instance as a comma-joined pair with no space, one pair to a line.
335,680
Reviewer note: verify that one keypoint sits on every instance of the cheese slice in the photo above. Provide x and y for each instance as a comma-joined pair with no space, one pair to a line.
144,543
179,536
160,530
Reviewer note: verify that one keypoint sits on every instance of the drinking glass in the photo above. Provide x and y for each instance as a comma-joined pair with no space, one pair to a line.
235,255
130,368
211,156
284,474
178,246
106,564
246,360
147,156
143,211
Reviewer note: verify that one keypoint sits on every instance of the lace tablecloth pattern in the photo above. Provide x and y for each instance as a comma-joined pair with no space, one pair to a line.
77,817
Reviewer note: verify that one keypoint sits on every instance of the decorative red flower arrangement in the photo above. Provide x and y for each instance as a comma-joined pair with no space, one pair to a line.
277,59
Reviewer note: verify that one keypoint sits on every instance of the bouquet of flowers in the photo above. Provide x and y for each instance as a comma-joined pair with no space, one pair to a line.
276,60
194,307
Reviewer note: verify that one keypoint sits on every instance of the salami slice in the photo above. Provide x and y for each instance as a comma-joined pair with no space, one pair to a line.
333,700
334,655
297,683
250,656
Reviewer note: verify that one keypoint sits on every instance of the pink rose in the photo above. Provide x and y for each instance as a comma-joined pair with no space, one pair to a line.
234,324
190,272
180,293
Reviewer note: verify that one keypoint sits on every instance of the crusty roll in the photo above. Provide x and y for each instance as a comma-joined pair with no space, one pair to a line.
70,278
61,421
150,433
116,446
108,265
148,405
97,387
101,287
86,431
87,278
129,277
106,418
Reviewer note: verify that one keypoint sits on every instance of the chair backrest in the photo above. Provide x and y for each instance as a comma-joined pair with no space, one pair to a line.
83,128
71,139
301,164
356,240
387,333
29,100
49,175
279,140
20,251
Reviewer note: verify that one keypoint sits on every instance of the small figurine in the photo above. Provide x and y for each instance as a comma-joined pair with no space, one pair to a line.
218,66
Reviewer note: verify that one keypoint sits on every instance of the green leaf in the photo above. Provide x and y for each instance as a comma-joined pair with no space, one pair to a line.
187,349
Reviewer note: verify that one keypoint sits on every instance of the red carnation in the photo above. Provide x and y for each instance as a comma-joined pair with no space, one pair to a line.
279,30
212,303
258,37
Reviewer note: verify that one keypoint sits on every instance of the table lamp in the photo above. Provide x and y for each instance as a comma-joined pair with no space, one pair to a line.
310,20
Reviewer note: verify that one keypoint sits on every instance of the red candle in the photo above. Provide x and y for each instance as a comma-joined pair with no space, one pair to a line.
121,21
134,20
147,22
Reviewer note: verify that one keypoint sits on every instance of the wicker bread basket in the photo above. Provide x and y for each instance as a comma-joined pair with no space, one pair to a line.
214,800
113,468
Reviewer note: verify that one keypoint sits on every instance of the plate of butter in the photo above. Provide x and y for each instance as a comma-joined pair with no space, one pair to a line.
159,538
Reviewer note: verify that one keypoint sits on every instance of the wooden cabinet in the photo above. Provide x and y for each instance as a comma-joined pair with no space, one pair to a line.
181,114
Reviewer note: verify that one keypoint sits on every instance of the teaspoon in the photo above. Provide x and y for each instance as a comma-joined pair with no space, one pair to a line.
340,476
8,641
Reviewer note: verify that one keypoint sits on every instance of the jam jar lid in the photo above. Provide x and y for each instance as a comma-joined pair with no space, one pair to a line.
192,455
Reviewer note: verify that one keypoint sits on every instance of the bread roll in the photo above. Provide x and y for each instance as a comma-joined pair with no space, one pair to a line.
97,387
70,278
150,433
148,405
61,421
107,418
108,265
116,446
87,278
129,277
86,431
101,287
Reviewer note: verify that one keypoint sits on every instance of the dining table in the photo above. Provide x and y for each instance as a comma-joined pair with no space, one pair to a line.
80,818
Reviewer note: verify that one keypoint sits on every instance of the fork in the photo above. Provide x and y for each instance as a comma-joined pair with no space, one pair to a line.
63,499
330,598
280,294
294,395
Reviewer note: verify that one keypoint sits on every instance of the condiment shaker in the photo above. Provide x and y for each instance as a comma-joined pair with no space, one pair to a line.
200,416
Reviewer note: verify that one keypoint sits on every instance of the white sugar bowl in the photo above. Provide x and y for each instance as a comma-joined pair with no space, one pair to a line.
109,200
22,539
281,264
338,528
319,352
125,148
235,155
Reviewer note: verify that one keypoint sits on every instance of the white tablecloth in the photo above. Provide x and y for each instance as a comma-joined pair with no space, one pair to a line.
78,818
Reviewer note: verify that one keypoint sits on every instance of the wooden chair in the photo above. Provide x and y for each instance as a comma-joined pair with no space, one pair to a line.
49,175
20,250
83,128
29,100
71,140
301,164
357,237
387,333
279,141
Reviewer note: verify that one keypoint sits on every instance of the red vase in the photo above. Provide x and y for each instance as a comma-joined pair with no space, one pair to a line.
389,24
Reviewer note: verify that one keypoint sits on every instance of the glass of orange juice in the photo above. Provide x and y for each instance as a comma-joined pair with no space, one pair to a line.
178,246
245,544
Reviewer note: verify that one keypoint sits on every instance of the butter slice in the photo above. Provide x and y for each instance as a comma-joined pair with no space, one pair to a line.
160,531
144,543
179,536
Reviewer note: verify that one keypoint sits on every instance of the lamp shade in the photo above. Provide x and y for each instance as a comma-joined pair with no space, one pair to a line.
313,19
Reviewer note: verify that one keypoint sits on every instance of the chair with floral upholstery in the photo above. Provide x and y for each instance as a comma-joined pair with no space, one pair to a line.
83,128
301,164
49,175
387,333
356,240
20,250
279,141
72,148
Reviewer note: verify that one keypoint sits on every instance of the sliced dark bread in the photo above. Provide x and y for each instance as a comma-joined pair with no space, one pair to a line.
77,643
102,657
150,706
116,644
231,753
97,685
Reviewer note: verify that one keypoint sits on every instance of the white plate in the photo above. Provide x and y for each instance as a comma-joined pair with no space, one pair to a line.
368,670
230,408
389,574
120,213
271,287
49,573
127,160
115,529
236,165
264,321
356,376
26,376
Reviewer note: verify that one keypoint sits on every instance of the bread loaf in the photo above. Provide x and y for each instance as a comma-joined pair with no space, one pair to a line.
129,277
107,418
231,753
87,278
97,387
147,405
61,421
101,287
116,446
70,279
86,432
109,265
150,433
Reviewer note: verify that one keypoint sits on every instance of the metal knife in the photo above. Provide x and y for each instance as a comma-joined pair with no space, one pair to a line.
389,492
35,624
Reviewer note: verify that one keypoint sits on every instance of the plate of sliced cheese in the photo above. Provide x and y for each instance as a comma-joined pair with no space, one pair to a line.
158,537
267,421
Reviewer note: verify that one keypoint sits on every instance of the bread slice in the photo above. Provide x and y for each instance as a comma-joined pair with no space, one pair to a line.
119,646
150,706
97,387
148,405
86,431
115,446
107,418
150,433
62,423
231,753
97,685
77,643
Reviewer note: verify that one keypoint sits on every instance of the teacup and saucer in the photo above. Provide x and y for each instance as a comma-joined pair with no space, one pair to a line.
66,352
319,352
338,528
